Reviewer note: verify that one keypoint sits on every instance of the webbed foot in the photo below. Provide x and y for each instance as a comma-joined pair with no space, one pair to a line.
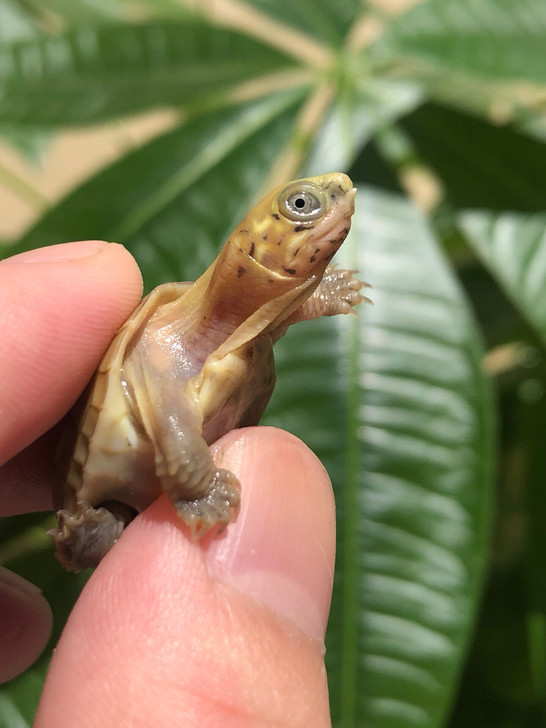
217,507
85,536
338,292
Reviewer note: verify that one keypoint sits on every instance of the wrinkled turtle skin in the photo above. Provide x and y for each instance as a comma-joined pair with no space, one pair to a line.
194,361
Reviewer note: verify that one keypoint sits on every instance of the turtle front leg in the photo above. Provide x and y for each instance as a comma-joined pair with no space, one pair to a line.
337,292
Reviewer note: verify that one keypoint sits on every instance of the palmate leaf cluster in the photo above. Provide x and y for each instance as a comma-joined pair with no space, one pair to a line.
429,410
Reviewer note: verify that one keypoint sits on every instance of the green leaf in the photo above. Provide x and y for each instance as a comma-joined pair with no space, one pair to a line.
513,247
73,12
496,40
353,119
495,691
15,23
173,201
99,72
400,413
30,143
322,19
480,165
416,498
532,425
19,698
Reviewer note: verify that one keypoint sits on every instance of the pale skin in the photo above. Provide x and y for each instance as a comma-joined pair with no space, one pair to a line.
226,632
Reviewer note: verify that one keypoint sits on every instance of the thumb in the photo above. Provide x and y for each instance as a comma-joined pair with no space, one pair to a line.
226,632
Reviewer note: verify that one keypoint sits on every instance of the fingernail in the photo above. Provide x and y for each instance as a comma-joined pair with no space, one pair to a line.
58,253
281,549
17,587
26,621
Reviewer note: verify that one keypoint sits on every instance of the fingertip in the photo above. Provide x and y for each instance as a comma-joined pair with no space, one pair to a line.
281,549
58,253
25,624
60,307
225,631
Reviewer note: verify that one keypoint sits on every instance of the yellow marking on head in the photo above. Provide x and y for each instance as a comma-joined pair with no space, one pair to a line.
295,230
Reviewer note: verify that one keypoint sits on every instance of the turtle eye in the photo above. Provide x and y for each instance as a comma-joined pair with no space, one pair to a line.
302,203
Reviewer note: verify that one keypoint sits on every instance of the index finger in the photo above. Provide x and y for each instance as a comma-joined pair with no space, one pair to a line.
60,307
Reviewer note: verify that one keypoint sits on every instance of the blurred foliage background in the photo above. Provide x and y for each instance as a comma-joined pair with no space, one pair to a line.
158,123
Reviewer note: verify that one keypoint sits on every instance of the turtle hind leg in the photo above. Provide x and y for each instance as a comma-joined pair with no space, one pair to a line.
202,494
85,536
217,506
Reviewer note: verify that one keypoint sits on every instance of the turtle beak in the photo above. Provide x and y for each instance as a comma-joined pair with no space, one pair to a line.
351,199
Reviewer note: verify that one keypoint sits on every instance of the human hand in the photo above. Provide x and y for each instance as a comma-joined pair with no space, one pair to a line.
226,632
59,308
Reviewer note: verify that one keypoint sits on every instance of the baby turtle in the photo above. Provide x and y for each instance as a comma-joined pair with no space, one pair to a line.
193,361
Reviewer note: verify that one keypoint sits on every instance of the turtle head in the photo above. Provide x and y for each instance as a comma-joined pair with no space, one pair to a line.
296,229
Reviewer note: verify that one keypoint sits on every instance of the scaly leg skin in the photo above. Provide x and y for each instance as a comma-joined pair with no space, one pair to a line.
202,494
338,292
217,507
170,413
85,536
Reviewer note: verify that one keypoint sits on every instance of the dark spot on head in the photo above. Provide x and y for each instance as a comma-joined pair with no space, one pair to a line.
243,230
249,352
274,214
270,280
299,228
265,237
290,271
314,256
252,249
340,238
295,252
240,271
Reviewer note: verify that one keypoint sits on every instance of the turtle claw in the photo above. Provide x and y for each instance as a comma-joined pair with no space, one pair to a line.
217,508
85,536
339,291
